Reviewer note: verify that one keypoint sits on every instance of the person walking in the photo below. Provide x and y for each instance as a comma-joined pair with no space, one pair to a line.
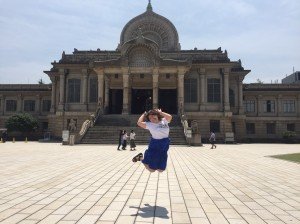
120,138
156,156
124,138
132,140
4,136
212,140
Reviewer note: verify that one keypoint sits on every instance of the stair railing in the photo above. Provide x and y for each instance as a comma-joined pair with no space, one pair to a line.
186,129
87,124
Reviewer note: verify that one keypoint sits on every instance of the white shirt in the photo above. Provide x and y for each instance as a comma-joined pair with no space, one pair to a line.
160,130
132,136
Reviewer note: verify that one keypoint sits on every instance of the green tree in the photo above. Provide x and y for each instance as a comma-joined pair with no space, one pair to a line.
23,122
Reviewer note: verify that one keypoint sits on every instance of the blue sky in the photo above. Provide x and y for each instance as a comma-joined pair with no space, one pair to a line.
264,34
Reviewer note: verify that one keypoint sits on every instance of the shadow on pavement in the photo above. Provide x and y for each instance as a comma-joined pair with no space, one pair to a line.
148,211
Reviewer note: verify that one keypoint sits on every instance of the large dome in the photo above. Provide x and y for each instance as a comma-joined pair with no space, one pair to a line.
154,27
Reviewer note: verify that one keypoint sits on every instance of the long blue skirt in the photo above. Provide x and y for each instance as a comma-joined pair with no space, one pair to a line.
157,154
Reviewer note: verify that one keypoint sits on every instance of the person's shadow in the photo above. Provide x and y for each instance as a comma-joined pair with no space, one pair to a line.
149,211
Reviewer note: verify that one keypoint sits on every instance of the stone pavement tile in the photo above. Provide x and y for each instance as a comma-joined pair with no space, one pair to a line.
125,219
210,208
274,222
230,213
179,207
109,215
216,218
159,220
75,215
180,217
289,219
265,214
88,219
5,214
26,221
242,209
196,212
97,210
51,219
275,210
252,219
296,214
199,220
32,209
54,205
236,221
66,222
14,219
63,210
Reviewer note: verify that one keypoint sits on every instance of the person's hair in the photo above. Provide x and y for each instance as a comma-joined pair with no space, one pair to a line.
153,112
131,131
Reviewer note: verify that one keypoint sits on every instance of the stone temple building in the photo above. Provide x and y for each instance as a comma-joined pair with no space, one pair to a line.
149,65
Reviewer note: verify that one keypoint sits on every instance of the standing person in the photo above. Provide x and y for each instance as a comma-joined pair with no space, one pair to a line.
132,140
155,157
148,104
124,138
4,136
120,138
212,139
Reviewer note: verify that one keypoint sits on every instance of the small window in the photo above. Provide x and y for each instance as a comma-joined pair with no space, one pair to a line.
249,106
190,91
290,127
93,90
250,128
215,126
46,105
299,76
11,105
29,105
45,126
74,90
142,76
271,128
167,76
116,76
289,106
269,106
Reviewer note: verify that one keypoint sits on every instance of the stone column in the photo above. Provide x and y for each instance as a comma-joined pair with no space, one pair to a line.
202,89
155,76
1,105
100,74
62,79
85,89
20,103
226,89
298,106
106,100
53,95
278,105
240,85
125,90
38,108
180,90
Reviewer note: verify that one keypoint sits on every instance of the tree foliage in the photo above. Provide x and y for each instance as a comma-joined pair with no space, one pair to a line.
22,122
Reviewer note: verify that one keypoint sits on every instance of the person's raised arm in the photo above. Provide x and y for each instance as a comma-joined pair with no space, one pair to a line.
141,121
167,116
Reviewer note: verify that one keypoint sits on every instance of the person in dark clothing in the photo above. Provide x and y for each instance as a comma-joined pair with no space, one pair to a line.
4,136
120,138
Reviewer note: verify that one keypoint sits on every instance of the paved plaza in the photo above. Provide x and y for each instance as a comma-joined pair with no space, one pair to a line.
51,183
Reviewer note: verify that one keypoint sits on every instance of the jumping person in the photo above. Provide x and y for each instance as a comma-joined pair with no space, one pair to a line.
155,157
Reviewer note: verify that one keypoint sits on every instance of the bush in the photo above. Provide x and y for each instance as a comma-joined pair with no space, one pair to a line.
288,134
23,123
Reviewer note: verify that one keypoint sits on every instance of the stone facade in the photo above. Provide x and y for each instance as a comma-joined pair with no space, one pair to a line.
204,85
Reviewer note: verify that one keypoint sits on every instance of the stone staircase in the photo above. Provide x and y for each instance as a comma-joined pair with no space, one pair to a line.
107,127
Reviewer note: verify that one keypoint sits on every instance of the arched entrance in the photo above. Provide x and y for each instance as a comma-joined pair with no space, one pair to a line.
167,100
139,99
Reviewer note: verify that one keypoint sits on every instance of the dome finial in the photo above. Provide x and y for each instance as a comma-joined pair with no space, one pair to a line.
149,7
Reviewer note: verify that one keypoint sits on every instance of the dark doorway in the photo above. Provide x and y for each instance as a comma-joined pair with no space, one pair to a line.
115,101
167,100
138,100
